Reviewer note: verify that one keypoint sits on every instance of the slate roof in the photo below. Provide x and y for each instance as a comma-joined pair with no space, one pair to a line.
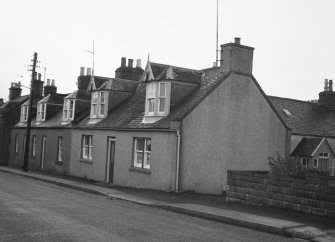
55,98
121,85
179,73
79,94
13,103
306,118
131,113
306,147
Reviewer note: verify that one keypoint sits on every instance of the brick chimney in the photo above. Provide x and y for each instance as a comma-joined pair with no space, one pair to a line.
236,57
327,97
50,87
129,72
14,91
83,80
37,85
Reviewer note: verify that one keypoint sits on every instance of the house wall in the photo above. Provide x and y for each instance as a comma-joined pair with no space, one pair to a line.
50,162
163,158
233,128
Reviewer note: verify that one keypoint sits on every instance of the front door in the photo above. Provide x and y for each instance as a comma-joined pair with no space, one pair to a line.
44,139
110,159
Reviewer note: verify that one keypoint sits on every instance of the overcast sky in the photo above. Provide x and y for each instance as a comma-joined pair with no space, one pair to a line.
294,40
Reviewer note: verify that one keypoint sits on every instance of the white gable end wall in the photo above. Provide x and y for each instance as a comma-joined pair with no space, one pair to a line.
234,128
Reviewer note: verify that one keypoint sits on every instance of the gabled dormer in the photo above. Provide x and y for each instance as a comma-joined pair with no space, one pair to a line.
75,105
41,109
24,113
49,106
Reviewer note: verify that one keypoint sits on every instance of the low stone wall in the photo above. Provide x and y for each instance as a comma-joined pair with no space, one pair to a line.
313,195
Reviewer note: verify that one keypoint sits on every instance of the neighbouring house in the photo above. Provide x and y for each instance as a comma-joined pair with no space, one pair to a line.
312,124
164,127
9,115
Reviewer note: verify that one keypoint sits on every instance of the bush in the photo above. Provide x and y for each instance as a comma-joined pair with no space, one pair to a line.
286,167
291,167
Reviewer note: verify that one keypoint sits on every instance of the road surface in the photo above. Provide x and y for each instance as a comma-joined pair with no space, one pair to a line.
32,210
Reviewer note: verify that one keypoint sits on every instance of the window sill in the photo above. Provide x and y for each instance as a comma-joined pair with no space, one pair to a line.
141,170
86,161
59,163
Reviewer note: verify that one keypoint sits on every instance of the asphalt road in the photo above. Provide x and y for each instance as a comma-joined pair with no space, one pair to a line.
32,210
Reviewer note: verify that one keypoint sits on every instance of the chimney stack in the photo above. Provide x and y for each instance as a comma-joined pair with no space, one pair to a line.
1,101
123,62
82,71
237,40
327,97
236,57
14,91
130,63
50,88
326,85
88,71
138,63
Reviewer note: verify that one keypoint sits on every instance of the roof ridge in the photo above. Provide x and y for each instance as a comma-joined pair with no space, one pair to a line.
291,99
178,67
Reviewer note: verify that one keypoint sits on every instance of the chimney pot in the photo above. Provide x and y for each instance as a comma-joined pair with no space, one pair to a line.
138,63
123,61
48,82
215,64
130,63
88,71
330,85
326,85
53,82
82,71
35,76
238,40
39,76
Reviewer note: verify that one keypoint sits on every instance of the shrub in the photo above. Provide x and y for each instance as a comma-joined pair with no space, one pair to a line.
291,167
286,167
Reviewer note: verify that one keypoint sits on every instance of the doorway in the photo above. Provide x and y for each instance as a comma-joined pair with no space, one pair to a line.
110,159
44,139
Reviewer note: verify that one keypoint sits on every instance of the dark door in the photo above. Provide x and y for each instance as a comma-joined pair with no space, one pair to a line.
110,159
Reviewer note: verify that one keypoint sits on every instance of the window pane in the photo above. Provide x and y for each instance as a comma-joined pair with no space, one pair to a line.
102,97
161,104
151,105
150,90
102,109
139,144
95,97
162,89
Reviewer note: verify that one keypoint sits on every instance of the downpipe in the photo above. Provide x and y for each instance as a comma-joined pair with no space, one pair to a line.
177,162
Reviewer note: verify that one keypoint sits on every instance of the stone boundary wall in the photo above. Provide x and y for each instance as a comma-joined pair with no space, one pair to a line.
313,195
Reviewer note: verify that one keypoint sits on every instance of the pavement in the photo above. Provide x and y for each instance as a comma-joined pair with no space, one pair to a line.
272,220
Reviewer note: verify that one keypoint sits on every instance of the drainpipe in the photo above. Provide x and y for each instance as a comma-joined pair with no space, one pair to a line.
177,162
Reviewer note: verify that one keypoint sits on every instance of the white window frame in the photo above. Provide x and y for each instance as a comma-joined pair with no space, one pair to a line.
151,98
94,104
324,155
102,104
24,113
302,162
41,110
60,148
162,96
33,146
86,147
68,109
142,157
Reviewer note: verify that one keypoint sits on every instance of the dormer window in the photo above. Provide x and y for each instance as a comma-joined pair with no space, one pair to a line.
24,114
157,94
99,104
68,109
41,107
